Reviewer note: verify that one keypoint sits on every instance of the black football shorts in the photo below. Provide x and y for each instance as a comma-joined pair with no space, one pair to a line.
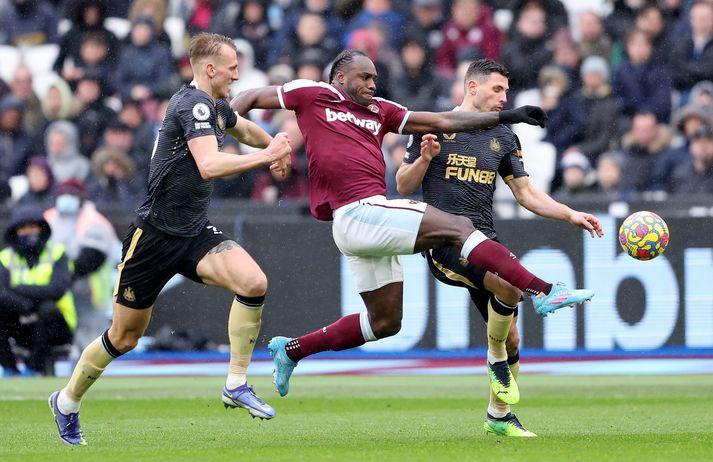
150,257
447,265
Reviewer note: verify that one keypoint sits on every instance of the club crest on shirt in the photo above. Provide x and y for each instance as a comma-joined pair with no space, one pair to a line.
494,145
201,111
449,137
221,123
373,108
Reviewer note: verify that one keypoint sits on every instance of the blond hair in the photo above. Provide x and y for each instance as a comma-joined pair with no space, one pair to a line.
206,45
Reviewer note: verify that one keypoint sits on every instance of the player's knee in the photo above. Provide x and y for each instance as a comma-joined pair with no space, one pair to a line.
510,294
464,227
254,286
385,327
125,341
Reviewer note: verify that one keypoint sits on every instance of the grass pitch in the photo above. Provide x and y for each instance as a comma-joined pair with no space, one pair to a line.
644,418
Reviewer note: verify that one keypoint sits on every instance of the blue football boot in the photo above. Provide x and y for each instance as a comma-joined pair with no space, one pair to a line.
68,425
283,364
245,397
559,297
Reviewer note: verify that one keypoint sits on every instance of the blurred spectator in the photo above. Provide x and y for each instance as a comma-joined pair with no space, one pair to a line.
696,175
93,59
594,40
14,141
58,102
40,182
610,175
286,33
144,63
642,148
427,18
156,11
296,186
21,87
379,11
577,175
526,53
310,37
640,83
686,121
566,56
238,186
600,109
206,15
417,84
93,115
63,152
556,15
144,142
36,305
251,24
702,96
366,40
650,19
28,23
114,183
394,147
621,20
91,243
118,135
310,66
250,76
692,55
566,119
471,25
86,16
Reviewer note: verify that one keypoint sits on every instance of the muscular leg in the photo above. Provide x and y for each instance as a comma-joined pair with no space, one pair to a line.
127,327
441,229
229,266
382,319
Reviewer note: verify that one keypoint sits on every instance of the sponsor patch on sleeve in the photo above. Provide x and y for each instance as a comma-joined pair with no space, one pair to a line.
200,125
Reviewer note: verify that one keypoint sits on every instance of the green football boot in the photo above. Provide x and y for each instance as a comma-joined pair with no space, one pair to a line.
506,426
503,383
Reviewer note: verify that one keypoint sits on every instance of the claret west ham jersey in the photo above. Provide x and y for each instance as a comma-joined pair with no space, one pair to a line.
343,142
461,178
177,200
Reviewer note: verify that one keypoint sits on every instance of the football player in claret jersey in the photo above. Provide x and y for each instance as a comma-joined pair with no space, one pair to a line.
343,126
172,233
458,171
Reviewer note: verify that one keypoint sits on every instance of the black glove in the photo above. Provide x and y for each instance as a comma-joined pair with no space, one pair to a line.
532,115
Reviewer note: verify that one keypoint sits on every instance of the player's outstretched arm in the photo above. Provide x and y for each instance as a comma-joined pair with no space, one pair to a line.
212,163
458,121
256,98
542,204
410,176
248,132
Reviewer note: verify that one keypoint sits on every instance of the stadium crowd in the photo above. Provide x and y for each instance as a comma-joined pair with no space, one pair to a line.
627,84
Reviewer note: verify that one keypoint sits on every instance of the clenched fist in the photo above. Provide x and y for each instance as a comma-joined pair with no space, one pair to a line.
278,148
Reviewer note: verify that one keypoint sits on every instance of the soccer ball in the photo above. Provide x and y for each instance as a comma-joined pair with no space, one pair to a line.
643,235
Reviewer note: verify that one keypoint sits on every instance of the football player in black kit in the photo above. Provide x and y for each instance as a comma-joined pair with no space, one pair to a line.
458,171
172,234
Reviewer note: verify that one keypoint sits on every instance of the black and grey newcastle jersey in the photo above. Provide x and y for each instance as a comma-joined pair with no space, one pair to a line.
461,179
178,198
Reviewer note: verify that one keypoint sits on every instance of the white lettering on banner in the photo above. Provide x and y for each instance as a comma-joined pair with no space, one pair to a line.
371,125
603,273
698,265
452,317
559,332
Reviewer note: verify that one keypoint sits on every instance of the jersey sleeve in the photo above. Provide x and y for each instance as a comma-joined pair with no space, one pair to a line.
196,115
413,149
512,165
298,93
395,116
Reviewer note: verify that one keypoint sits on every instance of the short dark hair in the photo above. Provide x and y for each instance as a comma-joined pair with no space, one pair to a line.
483,68
342,60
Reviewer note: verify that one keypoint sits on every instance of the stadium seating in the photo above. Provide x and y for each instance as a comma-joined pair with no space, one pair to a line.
10,58
175,27
119,26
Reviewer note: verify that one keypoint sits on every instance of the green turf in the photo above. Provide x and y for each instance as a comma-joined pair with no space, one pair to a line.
646,418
